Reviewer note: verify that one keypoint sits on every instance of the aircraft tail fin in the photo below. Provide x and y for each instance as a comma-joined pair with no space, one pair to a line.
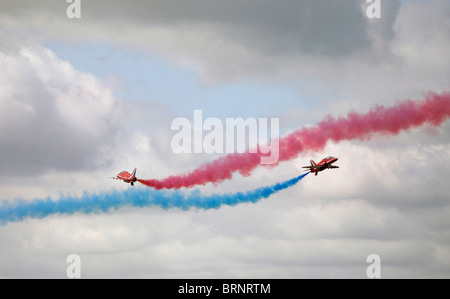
134,172
313,163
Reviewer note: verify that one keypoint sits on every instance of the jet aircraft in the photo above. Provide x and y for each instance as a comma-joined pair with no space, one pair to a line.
322,165
127,177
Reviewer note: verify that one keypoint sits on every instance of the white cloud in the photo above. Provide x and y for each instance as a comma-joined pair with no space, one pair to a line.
63,130
50,111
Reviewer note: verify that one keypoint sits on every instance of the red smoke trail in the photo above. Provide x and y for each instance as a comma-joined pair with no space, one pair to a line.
435,109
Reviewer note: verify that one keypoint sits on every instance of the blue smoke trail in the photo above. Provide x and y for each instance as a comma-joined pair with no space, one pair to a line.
96,203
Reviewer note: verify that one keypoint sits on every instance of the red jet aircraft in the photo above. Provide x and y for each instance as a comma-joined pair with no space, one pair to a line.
127,177
322,165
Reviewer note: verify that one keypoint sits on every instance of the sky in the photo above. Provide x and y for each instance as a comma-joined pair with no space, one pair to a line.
82,99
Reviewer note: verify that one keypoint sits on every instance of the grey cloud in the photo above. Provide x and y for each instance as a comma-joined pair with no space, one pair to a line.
275,27
223,40
330,28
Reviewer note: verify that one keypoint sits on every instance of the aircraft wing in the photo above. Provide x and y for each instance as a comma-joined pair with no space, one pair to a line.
312,167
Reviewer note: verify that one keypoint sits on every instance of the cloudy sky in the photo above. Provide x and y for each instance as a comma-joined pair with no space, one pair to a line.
83,99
